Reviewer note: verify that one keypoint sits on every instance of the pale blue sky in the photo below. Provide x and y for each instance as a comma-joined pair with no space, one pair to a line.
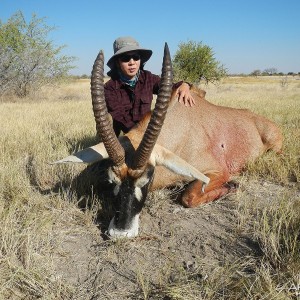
245,35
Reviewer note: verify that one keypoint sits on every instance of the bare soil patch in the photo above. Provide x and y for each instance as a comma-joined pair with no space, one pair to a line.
173,242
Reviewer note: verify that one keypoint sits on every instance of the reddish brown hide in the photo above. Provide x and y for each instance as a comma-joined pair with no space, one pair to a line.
216,140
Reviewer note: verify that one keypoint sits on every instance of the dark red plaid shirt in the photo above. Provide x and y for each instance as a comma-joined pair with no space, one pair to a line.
126,105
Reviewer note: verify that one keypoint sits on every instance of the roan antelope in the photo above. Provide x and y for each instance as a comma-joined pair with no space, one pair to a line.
204,145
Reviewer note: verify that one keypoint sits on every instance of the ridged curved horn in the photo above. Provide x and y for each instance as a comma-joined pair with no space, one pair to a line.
147,144
103,123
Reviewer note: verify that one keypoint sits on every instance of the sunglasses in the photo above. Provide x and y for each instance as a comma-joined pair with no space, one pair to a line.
128,57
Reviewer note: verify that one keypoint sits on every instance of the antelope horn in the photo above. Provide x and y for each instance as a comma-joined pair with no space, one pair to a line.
103,124
147,144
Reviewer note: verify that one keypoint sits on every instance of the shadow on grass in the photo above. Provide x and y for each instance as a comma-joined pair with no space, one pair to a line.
93,191
89,189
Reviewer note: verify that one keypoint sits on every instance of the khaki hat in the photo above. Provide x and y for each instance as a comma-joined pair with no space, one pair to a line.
126,44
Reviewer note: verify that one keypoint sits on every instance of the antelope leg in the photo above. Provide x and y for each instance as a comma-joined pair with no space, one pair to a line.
164,157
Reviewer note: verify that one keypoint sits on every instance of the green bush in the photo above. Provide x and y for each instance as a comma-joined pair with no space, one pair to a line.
195,62
29,60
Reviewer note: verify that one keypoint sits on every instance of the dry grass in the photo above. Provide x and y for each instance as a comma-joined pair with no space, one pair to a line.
37,212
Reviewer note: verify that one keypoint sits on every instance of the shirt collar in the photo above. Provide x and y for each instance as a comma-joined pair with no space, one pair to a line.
141,79
130,82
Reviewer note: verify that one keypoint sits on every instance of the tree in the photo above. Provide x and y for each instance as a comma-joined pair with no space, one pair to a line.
28,59
195,62
256,73
270,71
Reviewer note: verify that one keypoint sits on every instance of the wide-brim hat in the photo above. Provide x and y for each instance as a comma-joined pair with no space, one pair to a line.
126,44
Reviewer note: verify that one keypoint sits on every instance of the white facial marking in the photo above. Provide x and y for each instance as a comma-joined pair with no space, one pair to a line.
138,193
126,233
143,180
112,177
116,189
139,183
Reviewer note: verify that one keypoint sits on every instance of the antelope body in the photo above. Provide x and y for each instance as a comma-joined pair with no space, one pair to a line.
205,145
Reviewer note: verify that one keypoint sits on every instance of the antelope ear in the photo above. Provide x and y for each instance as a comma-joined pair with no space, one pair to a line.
164,157
87,156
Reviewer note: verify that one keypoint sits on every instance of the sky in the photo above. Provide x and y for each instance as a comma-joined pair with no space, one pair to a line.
245,35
